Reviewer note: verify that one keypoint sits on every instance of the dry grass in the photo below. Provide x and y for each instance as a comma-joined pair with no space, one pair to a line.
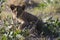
4,15
15,2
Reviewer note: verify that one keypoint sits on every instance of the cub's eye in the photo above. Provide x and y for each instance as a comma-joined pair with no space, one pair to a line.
12,7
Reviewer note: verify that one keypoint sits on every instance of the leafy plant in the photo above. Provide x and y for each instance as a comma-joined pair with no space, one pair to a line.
42,5
52,27
4,37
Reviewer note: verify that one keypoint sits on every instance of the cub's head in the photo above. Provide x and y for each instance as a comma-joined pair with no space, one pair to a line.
17,10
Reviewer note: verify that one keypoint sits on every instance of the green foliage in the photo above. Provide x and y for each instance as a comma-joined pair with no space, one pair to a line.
16,32
42,5
11,33
50,1
25,33
2,1
4,37
2,30
1,6
6,23
51,27
58,39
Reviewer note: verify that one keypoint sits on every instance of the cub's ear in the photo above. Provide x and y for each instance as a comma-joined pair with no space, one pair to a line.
12,7
23,7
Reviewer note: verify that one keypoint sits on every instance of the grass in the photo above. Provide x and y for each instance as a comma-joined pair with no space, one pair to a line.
11,32
47,7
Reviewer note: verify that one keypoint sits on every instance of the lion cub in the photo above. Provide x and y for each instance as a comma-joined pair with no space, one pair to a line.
21,14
